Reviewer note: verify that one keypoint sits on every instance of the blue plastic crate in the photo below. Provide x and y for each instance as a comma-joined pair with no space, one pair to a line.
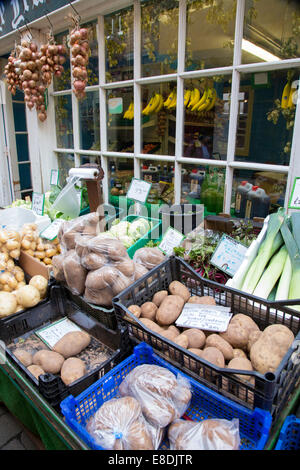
289,437
254,424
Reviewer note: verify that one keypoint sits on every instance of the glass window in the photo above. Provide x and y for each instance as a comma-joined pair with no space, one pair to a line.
267,195
158,120
161,175
118,30
266,120
206,118
66,161
271,27
159,24
84,159
120,124
210,34
63,120
19,117
25,176
121,173
89,121
22,147
63,82
203,185
92,66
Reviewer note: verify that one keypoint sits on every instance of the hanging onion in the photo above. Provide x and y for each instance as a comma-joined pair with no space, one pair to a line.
80,51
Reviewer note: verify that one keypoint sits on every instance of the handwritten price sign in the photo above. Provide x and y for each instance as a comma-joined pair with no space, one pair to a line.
295,196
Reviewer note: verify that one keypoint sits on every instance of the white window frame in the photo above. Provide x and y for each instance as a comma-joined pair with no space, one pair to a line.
237,68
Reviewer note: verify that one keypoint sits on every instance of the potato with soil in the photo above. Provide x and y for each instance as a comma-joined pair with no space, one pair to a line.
72,369
177,288
135,310
220,343
148,310
159,297
236,335
49,361
23,356
196,338
35,370
169,310
215,357
72,343
182,340
74,273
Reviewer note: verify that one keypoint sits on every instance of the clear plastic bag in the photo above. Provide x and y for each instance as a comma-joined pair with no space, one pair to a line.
163,396
119,425
209,434
70,229
10,243
148,257
74,273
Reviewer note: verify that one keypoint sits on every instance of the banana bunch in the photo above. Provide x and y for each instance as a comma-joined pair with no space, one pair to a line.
202,102
287,96
155,104
170,102
129,113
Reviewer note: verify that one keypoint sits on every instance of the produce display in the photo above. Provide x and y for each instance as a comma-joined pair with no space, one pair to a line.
242,346
32,244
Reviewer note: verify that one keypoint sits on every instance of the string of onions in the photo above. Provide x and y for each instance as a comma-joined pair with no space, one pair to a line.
12,72
80,52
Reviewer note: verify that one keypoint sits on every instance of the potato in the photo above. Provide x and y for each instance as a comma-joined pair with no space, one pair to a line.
41,283
28,296
244,321
239,353
236,335
72,343
159,297
213,355
35,370
120,283
151,325
93,261
49,361
177,288
148,310
23,356
8,304
216,341
57,266
182,340
140,271
75,274
72,369
206,300
126,267
99,297
196,351
135,310
196,338
241,363
169,310
173,328
253,337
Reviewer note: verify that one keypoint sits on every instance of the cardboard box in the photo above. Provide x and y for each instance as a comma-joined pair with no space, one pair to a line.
32,266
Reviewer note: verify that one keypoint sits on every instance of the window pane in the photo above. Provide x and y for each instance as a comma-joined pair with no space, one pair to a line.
158,121
84,159
206,124
25,176
265,128
63,82
19,117
63,120
121,172
159,22
161,175
119,128
273,26
210,34
203,185
22,147
269,200
66,161
92,66
89,121
118,30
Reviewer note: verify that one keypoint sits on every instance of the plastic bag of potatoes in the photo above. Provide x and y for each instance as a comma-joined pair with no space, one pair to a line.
10,243
34,245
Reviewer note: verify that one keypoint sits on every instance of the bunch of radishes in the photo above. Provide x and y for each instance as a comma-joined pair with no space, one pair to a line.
80,51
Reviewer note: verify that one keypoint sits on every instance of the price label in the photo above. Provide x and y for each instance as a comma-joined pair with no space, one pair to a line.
204,317
228,255
171,239
54,177
38,201
139,190
50,233
294,202
52,333
115,105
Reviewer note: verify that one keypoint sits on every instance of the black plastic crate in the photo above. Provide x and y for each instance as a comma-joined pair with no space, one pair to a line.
116,344
270,391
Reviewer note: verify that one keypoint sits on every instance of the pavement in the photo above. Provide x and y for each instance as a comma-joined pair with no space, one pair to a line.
13,434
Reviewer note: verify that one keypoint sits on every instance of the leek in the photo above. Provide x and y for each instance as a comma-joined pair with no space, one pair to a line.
292,247
282,292
265,252
271,274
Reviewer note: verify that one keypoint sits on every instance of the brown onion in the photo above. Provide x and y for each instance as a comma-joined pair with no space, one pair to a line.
27,74
31,65
79,85
80,60
83,33
32,84
42,116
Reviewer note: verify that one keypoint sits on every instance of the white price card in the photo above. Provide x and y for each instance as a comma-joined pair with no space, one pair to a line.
139,190
204,317
52,333
229,255
38,201
50,233
54,177
294,202
171,239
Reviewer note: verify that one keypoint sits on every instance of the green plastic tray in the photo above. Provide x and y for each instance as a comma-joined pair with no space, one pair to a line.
153,234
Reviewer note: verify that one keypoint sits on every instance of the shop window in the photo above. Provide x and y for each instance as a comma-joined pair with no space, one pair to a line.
66,161
94,159
159,27
63,82
92,67
119,121
267,195
118,31
63,120
89,121
210,34
159,120
121,172
25,176
266,120
206,118
161,176
202,184
272,31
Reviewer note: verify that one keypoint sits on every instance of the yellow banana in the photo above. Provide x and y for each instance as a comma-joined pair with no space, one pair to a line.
285,95
160,103
201,101
147,108
191,98
172,105
213,99
291,96
154,104
131,112
196,98
206,103
169,99
127,113
187,96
